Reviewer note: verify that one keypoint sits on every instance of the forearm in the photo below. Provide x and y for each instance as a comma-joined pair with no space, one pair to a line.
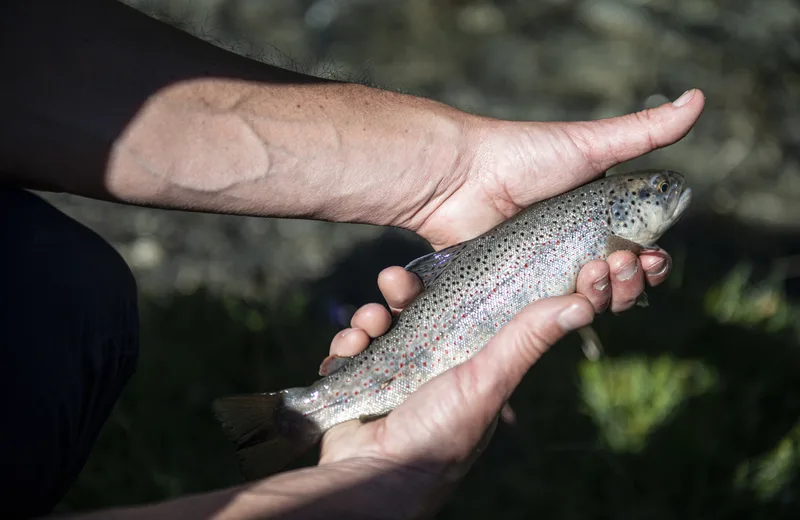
105,102
353,489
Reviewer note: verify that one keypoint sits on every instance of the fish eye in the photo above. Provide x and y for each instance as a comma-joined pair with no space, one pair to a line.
663,186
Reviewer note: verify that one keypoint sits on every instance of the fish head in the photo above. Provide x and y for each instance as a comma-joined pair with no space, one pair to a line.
644,205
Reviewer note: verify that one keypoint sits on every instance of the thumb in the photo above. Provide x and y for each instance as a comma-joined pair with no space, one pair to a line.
447,417
608,142
498,368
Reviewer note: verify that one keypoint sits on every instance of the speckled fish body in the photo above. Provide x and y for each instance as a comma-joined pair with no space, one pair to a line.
471,290
484,283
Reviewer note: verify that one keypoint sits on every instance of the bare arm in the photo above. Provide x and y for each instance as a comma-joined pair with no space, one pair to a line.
103,101
354,489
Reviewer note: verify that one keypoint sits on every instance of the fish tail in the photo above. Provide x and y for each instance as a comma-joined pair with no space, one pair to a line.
267,431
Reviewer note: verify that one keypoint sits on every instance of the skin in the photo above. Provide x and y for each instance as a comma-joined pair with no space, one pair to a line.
202,129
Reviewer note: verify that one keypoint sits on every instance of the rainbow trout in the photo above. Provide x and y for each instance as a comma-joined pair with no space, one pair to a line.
471,290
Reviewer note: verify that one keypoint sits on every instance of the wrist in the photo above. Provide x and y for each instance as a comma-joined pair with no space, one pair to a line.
355,488
407,155
446,162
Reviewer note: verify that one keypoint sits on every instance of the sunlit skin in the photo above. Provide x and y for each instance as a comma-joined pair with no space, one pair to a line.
145,114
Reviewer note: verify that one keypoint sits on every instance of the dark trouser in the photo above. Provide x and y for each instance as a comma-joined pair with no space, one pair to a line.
68,345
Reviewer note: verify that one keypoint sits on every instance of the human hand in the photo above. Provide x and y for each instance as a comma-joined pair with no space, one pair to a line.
438,432
507,166
512,165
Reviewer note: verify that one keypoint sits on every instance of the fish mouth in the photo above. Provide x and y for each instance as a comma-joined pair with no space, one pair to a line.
681,191
683,203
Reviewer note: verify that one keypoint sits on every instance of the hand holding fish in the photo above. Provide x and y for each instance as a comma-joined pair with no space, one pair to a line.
405,465
519,163
429,442
471,293
511,165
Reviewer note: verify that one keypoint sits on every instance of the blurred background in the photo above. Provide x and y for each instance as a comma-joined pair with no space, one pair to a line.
693,412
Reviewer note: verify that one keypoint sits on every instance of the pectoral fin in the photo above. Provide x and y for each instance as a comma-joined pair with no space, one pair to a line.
616,243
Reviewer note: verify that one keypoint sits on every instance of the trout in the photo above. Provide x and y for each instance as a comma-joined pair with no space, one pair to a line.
471,290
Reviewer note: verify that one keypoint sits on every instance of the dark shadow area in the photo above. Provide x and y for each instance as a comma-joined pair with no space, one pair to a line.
163,441
104,62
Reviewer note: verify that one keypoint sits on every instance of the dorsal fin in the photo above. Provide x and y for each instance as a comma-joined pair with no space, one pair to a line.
431,266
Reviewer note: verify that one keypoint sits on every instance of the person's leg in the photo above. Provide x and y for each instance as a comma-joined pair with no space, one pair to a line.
68,345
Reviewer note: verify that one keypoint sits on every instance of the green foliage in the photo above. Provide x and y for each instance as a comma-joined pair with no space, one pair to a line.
737,300
767,476
627,398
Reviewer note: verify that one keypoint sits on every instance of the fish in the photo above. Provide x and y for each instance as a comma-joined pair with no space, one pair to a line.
471,290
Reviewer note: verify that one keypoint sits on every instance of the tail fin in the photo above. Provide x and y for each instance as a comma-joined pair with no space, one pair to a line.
268,435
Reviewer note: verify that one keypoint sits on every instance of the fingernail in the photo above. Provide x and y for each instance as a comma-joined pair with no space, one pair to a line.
685,98
657,268
573,317
601,283
627,271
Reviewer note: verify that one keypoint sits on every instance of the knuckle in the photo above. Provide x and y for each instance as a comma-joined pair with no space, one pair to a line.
647,120
533,339
601,303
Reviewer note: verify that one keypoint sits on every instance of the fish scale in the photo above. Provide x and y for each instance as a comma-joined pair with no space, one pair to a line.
471,291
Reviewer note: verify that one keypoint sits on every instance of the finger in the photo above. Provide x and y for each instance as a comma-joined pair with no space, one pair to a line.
656,265
373,319
508,415
399,287
586,149
608,142
627,280
349,342
595,284
495,371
